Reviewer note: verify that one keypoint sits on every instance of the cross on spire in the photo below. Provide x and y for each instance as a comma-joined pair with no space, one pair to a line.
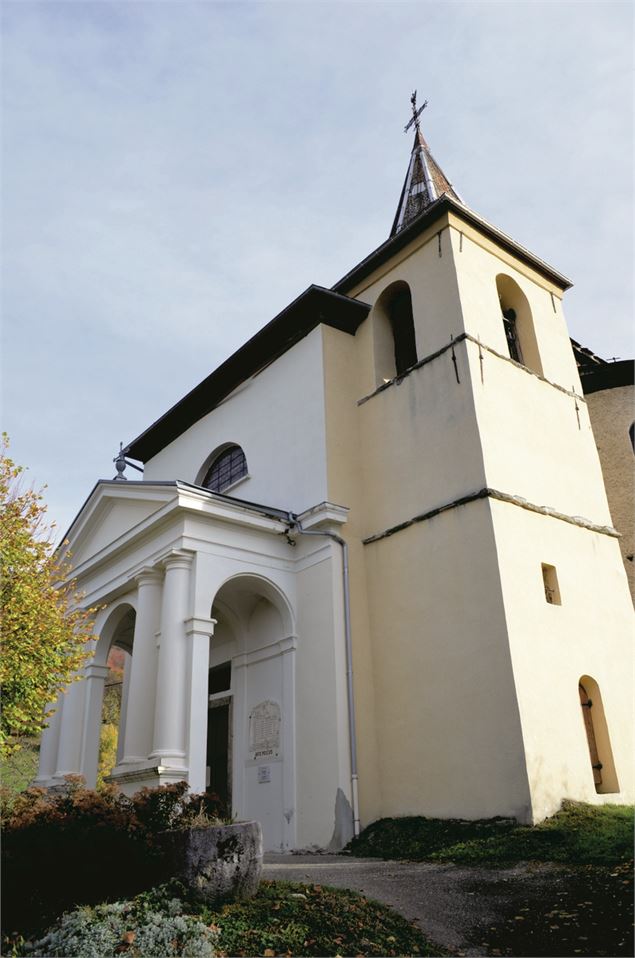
416,113
425,181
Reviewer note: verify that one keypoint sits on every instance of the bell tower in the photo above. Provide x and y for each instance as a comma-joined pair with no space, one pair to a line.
494,583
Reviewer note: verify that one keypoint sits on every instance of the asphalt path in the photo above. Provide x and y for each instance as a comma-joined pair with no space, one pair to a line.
453,906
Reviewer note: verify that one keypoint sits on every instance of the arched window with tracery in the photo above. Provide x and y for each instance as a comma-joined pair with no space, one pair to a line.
394,333
224,469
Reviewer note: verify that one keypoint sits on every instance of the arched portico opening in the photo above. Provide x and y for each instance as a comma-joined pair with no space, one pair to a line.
106,696
250,762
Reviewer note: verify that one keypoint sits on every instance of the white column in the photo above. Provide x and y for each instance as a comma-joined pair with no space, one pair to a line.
287,649
71,731
123,710
49,743
136,737
199,631
94,682
169,743
239,734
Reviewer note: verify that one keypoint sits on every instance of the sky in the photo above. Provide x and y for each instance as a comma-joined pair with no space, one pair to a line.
175,173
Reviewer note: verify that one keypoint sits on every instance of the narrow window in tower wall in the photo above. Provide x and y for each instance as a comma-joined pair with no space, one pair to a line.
550,583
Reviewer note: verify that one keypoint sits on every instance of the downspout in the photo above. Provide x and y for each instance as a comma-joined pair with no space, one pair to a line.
296,524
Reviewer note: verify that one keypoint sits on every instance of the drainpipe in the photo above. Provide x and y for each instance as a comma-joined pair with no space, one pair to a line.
296,524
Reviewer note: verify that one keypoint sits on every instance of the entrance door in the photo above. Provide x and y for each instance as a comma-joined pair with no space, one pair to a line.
218,753
596,764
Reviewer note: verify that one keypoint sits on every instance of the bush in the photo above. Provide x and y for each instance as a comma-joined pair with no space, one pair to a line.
146,927
87,847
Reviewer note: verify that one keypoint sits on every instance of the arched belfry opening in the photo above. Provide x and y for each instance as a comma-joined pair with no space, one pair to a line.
394,333
249,752
597,736
518,324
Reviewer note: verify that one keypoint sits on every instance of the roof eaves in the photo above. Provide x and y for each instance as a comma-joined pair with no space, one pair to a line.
436,209
314,306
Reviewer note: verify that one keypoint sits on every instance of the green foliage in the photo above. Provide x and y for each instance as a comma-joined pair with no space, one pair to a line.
282,919
44,629
289,919
108,738
163,809
578,833
137,928
18,769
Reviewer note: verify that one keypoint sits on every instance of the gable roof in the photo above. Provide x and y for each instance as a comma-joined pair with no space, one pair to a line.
314,306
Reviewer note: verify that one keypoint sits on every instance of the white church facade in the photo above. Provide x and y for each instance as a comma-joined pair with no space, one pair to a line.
370,569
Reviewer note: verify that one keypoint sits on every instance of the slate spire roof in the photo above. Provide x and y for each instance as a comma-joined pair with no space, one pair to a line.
425,182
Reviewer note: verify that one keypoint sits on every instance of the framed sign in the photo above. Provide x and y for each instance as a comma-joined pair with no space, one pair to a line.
264,731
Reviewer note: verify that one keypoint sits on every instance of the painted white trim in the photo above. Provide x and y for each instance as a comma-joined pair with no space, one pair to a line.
323,513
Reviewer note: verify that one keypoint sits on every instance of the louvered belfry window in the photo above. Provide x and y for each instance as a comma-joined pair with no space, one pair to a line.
226,469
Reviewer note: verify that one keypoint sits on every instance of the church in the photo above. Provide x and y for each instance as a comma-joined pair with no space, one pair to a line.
370,569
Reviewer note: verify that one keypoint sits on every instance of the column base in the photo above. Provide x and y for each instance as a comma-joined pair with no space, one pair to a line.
129,779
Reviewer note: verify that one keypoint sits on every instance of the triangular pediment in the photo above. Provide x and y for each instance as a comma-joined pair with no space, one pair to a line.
112,511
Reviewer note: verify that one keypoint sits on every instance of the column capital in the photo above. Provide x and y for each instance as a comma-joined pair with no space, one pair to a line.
96,671
177,559
148,575
198,625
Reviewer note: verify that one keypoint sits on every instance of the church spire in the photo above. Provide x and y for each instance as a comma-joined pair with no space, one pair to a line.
425,180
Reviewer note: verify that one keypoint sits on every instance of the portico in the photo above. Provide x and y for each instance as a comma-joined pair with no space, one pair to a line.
221,592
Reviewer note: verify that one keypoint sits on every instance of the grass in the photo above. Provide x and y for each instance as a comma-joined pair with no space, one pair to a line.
286,919
577,834
584,907
587,911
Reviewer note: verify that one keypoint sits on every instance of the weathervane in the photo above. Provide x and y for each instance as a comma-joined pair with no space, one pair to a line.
416,113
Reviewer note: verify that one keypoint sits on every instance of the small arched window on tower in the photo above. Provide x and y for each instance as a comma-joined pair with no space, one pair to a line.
394,333
223,469
518,324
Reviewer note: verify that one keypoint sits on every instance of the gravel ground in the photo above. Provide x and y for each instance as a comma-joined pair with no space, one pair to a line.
454,906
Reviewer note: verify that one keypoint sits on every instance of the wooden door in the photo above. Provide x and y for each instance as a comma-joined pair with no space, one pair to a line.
587,706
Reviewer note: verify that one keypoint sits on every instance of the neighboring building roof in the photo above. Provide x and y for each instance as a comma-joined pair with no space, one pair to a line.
585,356
597,376
425,182
314,306
597,373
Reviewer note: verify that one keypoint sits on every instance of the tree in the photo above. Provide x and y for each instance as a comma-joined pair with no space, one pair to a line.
45,630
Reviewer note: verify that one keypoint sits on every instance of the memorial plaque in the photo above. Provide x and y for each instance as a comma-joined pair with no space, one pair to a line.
264,773
264,731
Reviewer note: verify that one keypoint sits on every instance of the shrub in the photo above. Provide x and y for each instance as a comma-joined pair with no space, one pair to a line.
142,928
60,850
87,847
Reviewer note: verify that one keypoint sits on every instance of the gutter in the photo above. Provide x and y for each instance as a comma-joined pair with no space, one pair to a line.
295,524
